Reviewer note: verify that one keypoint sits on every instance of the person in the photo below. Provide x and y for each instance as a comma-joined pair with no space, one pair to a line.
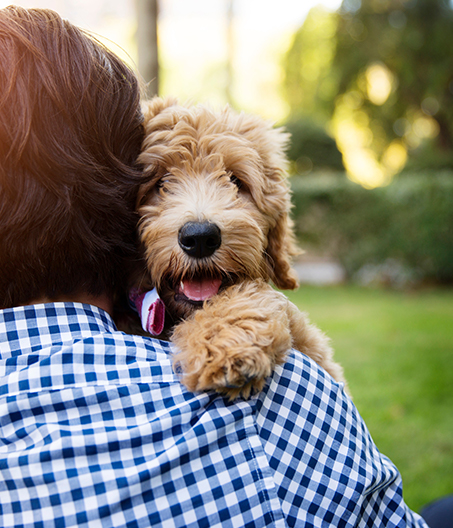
439,513
95,428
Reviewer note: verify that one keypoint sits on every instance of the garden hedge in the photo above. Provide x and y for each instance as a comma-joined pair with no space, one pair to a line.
410,221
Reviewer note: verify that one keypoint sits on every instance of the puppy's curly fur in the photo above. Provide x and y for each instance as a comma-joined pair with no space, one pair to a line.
224,174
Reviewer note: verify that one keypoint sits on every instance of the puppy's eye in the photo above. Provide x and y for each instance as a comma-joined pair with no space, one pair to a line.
234,179
161,183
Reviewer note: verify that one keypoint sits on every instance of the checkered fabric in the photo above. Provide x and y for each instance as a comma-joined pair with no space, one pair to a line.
97,431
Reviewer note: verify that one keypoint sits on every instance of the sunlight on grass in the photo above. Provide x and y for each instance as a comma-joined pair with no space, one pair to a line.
397,352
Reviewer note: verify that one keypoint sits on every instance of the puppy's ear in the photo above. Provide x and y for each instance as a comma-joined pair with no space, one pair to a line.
155,121
155,106
273,197
279,253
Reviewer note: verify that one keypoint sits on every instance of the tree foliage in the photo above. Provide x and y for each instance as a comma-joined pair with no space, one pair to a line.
309,87
383,83
413,40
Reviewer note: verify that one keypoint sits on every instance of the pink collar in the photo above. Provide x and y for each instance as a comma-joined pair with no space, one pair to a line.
150,308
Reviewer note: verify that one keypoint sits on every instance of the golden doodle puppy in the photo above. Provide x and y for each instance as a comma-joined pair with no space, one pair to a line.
215,231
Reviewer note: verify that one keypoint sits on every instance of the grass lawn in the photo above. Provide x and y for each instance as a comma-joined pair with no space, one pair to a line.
397,352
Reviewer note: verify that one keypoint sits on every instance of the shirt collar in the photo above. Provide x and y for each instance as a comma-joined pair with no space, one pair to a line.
28,328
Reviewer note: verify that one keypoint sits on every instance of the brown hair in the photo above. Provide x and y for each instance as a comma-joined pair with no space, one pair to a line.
70,133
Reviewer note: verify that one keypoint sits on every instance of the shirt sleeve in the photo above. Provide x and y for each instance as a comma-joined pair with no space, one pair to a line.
327,468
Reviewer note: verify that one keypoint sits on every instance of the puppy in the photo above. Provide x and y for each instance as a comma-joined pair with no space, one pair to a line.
215,230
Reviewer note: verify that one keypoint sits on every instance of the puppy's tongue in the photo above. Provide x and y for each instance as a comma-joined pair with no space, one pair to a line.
200,289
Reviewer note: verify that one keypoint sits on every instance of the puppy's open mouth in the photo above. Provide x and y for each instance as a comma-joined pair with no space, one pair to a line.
199,289
196,290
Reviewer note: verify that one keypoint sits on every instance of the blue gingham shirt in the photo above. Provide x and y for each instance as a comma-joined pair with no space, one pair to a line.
97,431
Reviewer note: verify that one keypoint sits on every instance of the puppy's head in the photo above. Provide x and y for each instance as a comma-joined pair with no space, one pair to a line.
214,206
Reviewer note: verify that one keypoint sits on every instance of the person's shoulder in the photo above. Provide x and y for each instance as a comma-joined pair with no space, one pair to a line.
300,377
142,348
300,394
139,342
316,442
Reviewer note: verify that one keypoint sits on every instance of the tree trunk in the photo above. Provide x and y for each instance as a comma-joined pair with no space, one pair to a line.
445,136
230,51
148,60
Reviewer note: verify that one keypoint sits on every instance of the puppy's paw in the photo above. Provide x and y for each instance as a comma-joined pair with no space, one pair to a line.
233,344
234,373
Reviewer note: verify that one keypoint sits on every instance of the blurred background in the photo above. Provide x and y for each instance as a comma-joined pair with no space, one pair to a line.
366,89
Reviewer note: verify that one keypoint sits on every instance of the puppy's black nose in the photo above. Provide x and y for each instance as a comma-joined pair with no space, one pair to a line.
199,239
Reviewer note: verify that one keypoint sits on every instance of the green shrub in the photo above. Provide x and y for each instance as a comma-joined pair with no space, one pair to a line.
410,220
311,148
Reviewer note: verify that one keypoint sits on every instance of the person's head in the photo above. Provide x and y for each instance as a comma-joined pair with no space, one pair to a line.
70,133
